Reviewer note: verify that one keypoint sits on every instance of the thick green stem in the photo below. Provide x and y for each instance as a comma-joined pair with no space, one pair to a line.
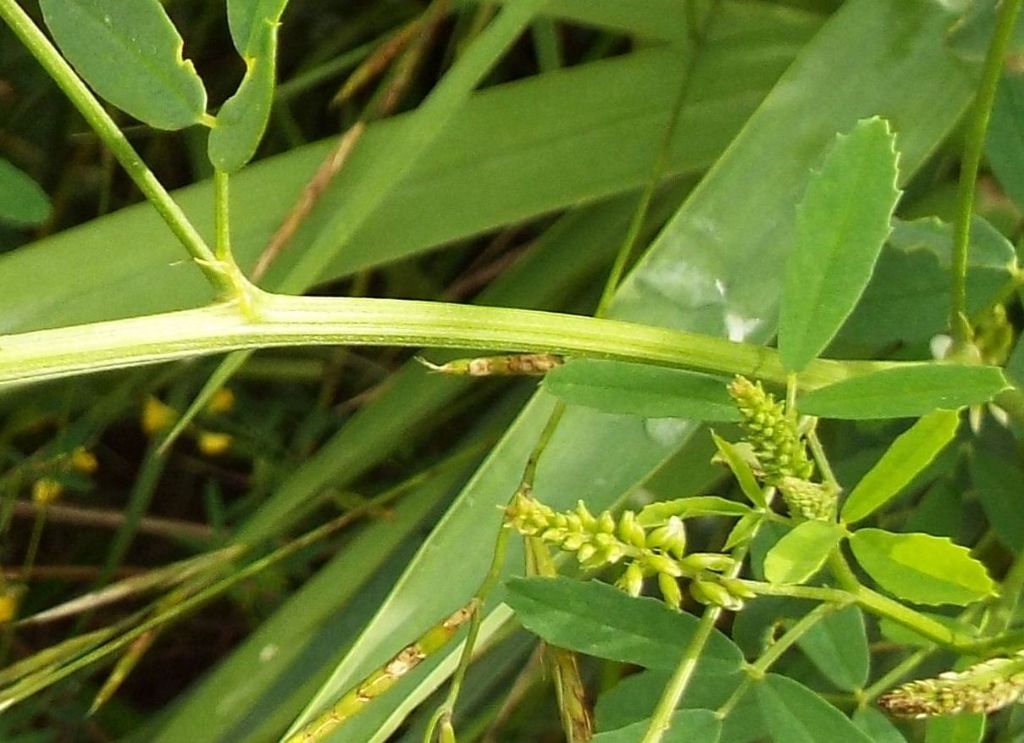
109,133
973,146
289,321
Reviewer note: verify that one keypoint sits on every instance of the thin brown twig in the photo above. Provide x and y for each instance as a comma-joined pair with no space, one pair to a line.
375,64
111,519
73,573
382,105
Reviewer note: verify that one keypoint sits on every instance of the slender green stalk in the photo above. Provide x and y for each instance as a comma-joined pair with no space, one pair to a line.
816,593
673,692
895,674
221,215
697,36
757,670
973,147
444,713
286,321
222,279
661,719
884,606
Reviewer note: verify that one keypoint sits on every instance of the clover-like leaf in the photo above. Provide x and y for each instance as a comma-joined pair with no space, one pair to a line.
842,223
921,568
131,54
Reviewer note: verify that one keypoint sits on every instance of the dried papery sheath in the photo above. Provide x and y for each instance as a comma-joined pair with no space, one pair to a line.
384,678
982,688
513,365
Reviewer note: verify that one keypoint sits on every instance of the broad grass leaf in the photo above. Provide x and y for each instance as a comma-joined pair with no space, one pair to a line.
801,553
999,483
22,202
838,647
687,726
909,454
701,505
242,119
905,393
248,21
795,714
877,726
600,620
641,389
131,54
842,223
921,568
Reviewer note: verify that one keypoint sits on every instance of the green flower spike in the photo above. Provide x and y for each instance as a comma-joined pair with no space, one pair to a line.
773,435
809,500
982,688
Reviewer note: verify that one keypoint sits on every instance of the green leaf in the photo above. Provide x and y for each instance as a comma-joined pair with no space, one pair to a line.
242,119
600,620
999,483
248,21
902,635
1004,148
961,728
842,223
905,393
921,568
687,726
741,470
989,247
838,647
909,454
642,389
743,530
795,714
877,726
657,514
907,300
131,54
634,697
801,553
22,201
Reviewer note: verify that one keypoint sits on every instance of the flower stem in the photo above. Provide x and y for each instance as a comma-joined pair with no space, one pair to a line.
973,146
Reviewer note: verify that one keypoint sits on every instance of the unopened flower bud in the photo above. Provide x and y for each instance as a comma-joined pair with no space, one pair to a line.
712,561
606,523
46,490
670,591
671,537
632,580
213,443
84,461
156,416
713,594
587,520
630,531
662,564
